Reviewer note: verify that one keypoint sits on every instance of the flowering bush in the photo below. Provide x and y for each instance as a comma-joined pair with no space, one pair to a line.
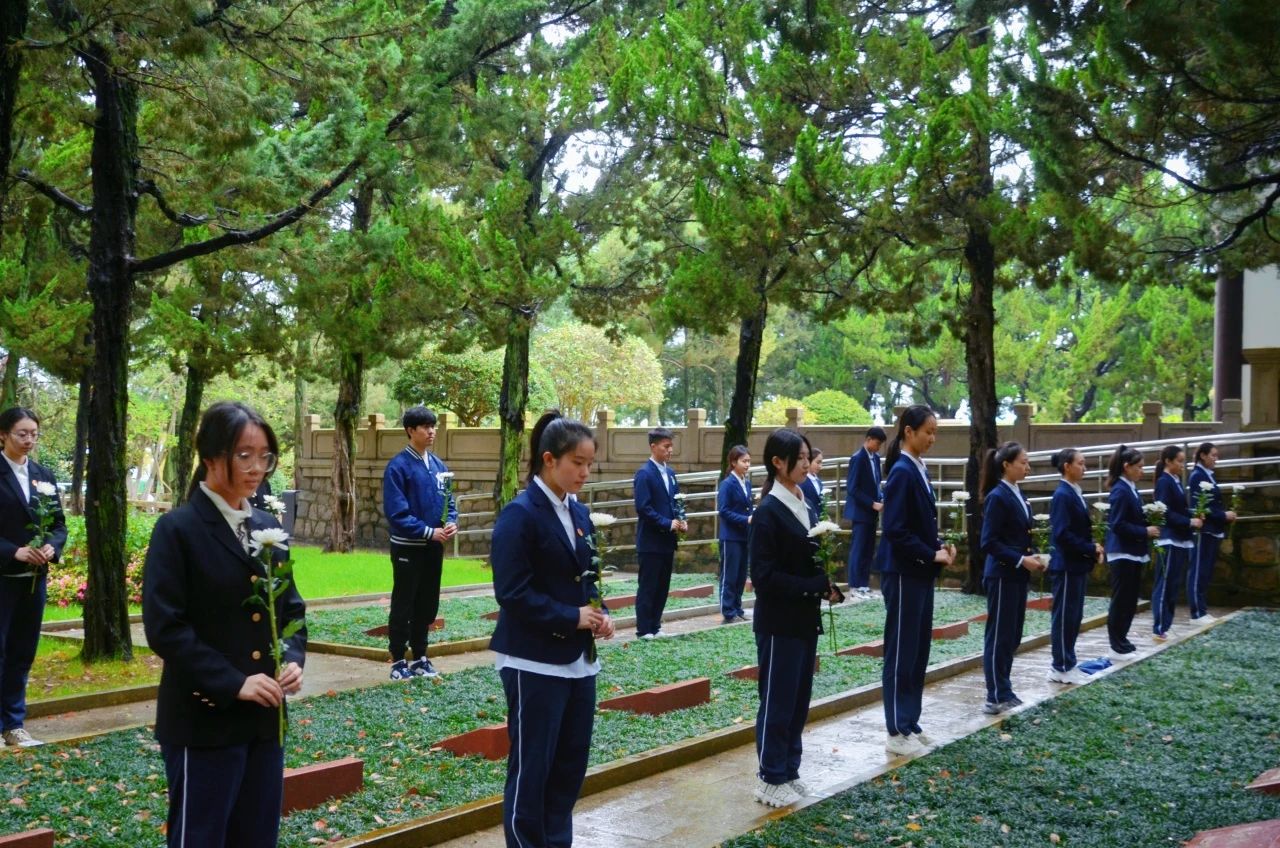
68,579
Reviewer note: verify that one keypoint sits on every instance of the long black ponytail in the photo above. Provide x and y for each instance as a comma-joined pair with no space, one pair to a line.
992,471
1167,455
556,435
1123,456
913,417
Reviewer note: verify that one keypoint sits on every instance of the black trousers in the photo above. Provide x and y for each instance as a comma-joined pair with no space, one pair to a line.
1125,576
785,686
1068,610
1006,614
651,596
415,596
21,611
908,637
549,721
225,797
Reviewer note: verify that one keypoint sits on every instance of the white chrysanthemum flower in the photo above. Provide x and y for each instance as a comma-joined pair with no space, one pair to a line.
444,477
1101,506
960,496
274,504
1237,489
1157,507
1041,516
678,496
45,488
1206,486
268,537
602,519
822,528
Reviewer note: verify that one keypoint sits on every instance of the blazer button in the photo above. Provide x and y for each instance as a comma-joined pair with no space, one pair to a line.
257,655
257,616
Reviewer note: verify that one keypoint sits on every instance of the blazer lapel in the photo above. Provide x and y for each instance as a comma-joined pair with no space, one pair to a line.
16,487
552,519
221,531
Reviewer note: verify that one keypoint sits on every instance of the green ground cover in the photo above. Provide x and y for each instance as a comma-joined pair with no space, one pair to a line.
58,672
1147,757
463,617
80,790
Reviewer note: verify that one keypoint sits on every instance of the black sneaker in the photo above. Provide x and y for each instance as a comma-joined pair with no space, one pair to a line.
400,670
423,668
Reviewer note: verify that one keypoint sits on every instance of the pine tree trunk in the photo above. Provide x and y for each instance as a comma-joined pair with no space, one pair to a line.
111,289
299,409
9,382
983,403
82,440
511,406
342,528
737,425
185,444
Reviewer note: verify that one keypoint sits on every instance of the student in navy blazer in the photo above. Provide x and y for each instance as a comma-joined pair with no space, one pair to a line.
790,584
1128,535
551,613
1210,537
655,488
1175,543
911,557
24,564
1073,556
862,505
1009,561
734,505
812,486
217,711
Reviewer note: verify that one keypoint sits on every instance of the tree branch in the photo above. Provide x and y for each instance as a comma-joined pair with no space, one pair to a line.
182,219
55,194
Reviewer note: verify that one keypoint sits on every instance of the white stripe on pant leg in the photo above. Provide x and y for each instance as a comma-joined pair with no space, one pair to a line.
768,696
996,646
515,800
186,793
897,658
1056,630
1157,610
1193,585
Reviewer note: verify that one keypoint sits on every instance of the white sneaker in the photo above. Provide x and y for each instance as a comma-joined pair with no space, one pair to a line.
1077,677
799,787
776,794
1203,620
1055,676
20,738
924,741
1122,658
903,745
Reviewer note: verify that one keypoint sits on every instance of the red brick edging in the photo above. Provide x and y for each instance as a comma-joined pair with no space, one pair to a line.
310,786
663,699
42,838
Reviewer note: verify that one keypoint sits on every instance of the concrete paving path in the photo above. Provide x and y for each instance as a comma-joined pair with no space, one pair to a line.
709,801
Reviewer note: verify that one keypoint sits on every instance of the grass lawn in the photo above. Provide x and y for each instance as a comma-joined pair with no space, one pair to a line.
322,575
393,728
463,617
58,672
1146,757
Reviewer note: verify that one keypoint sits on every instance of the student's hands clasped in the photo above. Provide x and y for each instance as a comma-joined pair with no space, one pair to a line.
678,526
945,555
35,556
1033,564
445,533
597,621
261,689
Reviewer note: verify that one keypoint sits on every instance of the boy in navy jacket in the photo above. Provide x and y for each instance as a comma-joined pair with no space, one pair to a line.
863,502
414,487
655,490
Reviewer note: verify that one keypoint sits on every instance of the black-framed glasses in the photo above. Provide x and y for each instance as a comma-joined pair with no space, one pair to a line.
247,461
24,435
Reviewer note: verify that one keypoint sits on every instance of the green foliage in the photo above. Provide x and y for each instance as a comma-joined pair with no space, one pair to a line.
591,371
830,406
68,578
467,384
773,412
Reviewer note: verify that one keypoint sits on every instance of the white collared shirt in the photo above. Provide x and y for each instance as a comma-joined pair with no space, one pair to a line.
234,517
662,469
742,481
23,473
1079,493
797,505
924,472
579,667
561,506
1014,486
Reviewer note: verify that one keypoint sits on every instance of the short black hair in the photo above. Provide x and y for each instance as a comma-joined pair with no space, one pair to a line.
876,433
417,416
13,415
657,434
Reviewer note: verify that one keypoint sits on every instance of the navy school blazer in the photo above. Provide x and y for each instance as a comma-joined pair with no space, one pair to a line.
194,585
1071,529
1006,533
910,524
789,583
862,488
654,512
1215,520
1126,523
1177,521
735,507
538,579
16,514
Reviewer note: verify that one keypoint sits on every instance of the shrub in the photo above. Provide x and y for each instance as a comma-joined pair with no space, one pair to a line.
831,406
68,579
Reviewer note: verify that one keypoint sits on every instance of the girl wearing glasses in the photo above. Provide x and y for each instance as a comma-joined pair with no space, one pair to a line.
28,502
217,711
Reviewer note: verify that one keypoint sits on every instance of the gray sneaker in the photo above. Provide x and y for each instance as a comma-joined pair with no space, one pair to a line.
20,738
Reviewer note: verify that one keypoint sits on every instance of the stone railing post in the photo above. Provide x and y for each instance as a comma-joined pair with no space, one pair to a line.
307,440
795,417
604,421
368,448
1152,410
1022,415
694,420
1232,415
444,421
